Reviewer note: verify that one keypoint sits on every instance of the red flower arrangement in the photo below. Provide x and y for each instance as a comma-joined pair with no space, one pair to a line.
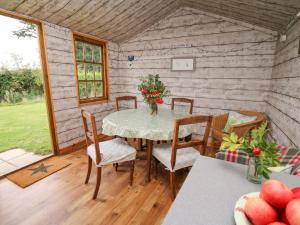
153,91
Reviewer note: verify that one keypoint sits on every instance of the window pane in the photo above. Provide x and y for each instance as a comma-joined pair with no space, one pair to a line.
88,53
97,54
99,89
79,50
98,72
90,89
82,90
89,71
80,71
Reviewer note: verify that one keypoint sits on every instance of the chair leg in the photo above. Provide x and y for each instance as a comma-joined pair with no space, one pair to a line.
155,167
89,170
140,144
172,184
97,182
131,172
116,166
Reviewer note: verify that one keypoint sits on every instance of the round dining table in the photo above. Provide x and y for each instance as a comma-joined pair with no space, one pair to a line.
139,123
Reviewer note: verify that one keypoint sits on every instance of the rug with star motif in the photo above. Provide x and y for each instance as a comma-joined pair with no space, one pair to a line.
38,171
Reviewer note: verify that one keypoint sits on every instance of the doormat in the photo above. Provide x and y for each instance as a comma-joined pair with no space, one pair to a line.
35,172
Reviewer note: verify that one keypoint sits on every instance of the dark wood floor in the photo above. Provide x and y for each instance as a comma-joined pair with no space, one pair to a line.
62,198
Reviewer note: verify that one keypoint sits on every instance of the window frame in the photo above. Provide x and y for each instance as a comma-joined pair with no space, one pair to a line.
104,64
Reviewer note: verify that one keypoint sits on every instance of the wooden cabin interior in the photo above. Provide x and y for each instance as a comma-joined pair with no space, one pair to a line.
217,56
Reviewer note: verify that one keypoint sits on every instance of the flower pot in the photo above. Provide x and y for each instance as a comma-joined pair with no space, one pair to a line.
252,174
154,108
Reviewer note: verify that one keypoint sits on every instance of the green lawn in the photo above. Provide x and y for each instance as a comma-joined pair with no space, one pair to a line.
25,126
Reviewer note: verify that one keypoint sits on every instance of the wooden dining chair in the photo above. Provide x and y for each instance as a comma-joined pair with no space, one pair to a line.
127,99
179,155
183,100
103,153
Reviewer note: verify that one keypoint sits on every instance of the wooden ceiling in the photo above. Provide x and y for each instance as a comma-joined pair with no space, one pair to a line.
271,14
120,20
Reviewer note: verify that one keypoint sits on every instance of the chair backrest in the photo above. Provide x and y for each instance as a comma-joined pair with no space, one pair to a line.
194,142
91,137
184,100
125,98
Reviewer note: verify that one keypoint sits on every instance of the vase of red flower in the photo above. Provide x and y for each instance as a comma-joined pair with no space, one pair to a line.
153,91
252,172
262,153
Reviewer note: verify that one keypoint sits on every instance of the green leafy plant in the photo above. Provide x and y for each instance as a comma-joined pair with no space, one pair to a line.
153,90
255,144
17,84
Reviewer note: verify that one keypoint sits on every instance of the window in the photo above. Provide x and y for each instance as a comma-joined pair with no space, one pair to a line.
91,71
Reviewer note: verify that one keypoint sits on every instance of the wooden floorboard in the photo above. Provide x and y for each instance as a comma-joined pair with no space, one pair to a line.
63,198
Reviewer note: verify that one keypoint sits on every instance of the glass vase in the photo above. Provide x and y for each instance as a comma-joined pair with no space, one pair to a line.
252,174
153,108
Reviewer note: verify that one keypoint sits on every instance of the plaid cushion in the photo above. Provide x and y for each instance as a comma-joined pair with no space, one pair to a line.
289,155
296,170
237,156
286,156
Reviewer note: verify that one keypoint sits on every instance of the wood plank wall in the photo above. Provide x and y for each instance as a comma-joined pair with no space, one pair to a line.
234,71
224,80
284,98
63,85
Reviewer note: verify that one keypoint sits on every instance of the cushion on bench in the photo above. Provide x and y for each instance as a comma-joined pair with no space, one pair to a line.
287,156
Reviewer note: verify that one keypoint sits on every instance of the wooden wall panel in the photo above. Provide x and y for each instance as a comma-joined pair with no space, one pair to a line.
63,85
284,97
120,20
233,61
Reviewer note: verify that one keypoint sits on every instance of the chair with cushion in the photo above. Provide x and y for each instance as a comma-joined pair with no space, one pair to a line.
107,152
240,122
179,155
183,100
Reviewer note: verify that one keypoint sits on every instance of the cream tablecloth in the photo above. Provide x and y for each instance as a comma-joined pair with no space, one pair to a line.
139,123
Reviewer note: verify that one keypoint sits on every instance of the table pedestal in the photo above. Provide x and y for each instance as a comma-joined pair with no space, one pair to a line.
149,157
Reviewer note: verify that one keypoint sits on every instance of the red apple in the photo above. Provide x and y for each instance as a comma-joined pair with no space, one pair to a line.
276,193
296,192
283,218
277,223
293,212
260,212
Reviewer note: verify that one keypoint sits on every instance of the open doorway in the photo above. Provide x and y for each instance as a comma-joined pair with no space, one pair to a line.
26,134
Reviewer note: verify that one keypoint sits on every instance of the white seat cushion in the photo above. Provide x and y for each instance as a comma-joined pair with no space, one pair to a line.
112,151
185,157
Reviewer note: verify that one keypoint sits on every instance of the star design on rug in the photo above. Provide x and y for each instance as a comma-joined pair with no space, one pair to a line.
41,168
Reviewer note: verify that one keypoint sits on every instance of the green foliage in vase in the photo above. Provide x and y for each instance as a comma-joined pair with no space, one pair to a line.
255,144
152,89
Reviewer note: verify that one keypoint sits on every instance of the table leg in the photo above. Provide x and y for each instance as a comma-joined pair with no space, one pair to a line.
140,144
149,156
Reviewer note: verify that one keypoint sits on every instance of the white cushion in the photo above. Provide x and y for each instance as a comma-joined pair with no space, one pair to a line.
112,151
185,157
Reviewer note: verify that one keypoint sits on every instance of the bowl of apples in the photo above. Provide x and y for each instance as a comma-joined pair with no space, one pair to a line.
275,204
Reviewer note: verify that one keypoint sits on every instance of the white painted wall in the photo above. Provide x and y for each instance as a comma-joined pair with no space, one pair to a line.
233,61
234,70
63,85
284,97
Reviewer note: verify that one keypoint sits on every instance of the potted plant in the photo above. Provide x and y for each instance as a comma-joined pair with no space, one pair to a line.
153,91
262,153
